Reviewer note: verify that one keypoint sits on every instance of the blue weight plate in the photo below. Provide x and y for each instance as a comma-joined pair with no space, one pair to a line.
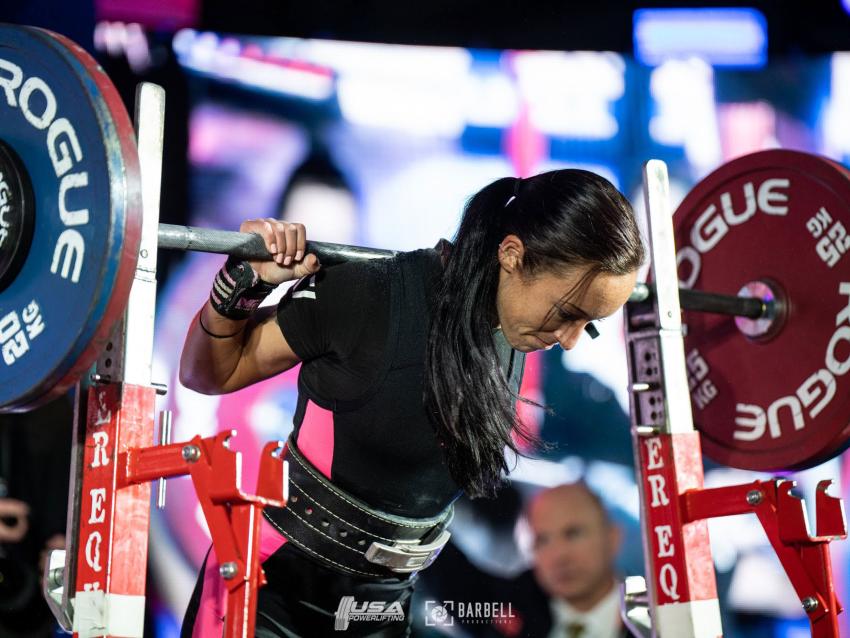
68,127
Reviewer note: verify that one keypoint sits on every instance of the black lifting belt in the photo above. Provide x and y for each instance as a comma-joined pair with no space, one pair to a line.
345,534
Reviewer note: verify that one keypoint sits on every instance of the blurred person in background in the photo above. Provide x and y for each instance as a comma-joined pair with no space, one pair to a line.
571,589
35,458
575,546
322,197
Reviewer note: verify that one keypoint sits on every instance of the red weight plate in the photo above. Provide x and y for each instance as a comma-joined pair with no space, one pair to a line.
780,401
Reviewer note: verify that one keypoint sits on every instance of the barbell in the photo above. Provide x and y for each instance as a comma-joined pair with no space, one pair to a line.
252,246
768,387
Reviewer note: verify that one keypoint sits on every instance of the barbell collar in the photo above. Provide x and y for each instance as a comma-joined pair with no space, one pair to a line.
750,307
252,246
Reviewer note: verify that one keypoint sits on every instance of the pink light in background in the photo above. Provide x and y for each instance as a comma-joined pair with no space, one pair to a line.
746,128
527,149
168,15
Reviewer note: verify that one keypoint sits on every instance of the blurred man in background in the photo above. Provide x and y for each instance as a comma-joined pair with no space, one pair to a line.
571,589
35,457
575,545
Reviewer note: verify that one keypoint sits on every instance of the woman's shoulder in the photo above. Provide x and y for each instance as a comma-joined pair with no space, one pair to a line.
352,275
380,271
427,260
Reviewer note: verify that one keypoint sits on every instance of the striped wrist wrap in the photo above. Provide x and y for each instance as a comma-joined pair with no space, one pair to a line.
237,290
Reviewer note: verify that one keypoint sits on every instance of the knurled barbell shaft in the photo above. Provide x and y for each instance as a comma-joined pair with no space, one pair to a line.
700,301
251,246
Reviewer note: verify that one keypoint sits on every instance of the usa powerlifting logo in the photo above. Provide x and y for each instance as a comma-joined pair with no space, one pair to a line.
350,610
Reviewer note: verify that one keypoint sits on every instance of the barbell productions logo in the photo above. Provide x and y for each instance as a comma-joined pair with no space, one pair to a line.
443,613
437,613
350,610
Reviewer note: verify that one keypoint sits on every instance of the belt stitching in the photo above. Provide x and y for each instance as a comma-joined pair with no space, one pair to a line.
353,504
321,556
347,524
330,538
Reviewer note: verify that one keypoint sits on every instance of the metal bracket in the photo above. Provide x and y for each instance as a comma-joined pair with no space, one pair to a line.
670,349
634,606
53,589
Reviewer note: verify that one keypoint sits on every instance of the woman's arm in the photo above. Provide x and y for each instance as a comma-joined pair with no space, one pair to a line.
225,353
257,351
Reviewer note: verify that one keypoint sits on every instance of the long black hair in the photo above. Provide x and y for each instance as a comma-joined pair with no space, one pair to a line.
565,218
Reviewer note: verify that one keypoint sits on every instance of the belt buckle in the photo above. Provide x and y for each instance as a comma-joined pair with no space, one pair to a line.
404,557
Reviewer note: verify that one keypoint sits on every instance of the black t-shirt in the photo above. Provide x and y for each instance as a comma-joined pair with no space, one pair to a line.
360,329
337,322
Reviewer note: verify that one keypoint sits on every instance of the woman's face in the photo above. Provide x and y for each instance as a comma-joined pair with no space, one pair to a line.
537,311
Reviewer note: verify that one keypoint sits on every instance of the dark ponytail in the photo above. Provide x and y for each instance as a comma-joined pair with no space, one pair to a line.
564,218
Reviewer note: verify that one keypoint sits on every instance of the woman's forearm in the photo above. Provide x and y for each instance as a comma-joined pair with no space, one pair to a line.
208,362
230,344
